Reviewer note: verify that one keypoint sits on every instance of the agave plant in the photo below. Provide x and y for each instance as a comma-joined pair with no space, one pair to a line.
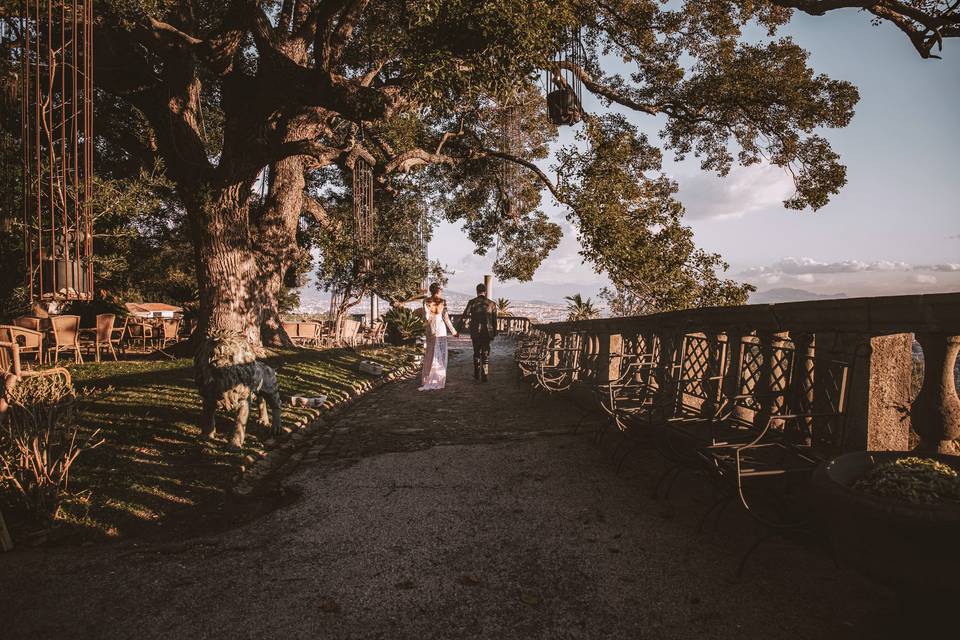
503,307
404,326
580,309
39,442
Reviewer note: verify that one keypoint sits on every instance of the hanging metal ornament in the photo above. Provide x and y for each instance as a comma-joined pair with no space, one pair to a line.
57,133
510,143
363,210
422,240
10,178
564,88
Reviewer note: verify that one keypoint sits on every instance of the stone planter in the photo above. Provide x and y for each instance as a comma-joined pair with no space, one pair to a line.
908,547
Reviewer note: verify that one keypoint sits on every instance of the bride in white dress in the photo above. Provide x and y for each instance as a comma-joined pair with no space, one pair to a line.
438,325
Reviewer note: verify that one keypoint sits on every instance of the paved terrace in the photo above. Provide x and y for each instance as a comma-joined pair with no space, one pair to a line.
468,513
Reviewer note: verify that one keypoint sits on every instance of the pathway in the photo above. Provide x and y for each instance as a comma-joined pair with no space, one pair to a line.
467,513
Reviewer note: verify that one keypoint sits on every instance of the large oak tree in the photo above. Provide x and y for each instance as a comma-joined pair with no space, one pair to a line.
227,89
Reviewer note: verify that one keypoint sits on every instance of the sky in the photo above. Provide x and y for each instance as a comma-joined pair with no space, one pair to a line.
893,229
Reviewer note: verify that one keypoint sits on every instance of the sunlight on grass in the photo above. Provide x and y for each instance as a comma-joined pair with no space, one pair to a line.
153,465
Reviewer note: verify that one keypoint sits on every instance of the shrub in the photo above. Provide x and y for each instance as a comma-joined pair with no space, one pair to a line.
913,479
38,443
403,325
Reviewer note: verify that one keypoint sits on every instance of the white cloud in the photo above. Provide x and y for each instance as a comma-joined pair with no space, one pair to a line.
807,266
924,278
744,191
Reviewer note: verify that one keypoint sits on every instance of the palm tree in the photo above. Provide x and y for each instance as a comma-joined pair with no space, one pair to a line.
503,307
580,309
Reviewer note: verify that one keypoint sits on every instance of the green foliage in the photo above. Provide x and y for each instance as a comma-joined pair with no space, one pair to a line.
630,224
153,467
440,76
503,307
404,326
398,262
38,443
912,479
580,309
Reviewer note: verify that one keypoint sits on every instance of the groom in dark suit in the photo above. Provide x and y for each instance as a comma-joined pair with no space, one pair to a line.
481,313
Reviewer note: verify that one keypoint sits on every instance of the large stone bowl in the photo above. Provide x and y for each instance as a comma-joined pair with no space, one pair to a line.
913,549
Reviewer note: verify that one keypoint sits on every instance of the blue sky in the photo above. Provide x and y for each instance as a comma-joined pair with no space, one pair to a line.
895,227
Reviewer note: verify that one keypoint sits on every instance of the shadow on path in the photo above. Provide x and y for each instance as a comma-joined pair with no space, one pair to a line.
466,513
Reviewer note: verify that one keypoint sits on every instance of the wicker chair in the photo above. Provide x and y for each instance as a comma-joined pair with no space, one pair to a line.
169,332
66,337
30,341
293,331
102,337
350,329
139,331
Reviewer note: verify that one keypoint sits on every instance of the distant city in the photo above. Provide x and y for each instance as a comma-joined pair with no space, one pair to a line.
317,302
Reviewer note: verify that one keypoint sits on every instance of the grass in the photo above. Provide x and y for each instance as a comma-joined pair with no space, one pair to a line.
153,470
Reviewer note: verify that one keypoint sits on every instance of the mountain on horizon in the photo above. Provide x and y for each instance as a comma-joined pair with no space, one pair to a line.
789,294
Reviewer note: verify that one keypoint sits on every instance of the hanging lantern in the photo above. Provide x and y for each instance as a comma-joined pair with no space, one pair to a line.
57,133
564,88
363,210
510,143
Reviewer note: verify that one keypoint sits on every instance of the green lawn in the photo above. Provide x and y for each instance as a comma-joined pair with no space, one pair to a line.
153,467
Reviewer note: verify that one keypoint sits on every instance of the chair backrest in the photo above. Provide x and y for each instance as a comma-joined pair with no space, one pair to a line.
25,338
105,326
135,328
350,327
28,322
292,329
66,330
122,329
171,327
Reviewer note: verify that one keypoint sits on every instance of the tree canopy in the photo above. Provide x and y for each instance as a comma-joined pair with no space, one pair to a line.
222,91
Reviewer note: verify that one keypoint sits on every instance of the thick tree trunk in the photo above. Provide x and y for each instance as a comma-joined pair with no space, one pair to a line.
277,244
227,270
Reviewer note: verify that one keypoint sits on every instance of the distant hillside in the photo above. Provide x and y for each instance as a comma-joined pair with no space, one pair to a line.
787,294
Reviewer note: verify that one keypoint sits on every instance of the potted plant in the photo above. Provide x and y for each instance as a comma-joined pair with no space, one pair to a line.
895,517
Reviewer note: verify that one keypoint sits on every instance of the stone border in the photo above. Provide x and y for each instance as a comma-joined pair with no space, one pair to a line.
285,450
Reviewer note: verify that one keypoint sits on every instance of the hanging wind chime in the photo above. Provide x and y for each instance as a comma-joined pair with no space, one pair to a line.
363,211
422,235
57,132
563,85
511,144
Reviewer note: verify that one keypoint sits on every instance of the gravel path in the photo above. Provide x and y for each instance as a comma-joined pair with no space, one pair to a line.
467,513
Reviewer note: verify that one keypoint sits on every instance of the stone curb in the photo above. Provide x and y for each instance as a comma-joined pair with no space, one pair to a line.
300,435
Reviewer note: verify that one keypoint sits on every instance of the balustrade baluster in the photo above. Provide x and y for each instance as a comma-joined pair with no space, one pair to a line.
936,410
800,394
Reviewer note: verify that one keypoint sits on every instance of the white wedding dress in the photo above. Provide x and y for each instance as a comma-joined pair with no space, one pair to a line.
434,374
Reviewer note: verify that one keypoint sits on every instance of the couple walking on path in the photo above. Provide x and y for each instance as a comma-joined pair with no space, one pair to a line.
480,315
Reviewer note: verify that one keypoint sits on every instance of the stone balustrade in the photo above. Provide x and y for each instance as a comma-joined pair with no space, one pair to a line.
873,335
506,325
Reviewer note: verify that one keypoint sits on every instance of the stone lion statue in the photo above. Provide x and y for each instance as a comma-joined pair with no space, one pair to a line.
230,378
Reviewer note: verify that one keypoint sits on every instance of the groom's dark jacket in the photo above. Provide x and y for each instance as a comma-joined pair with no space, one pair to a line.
481,314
